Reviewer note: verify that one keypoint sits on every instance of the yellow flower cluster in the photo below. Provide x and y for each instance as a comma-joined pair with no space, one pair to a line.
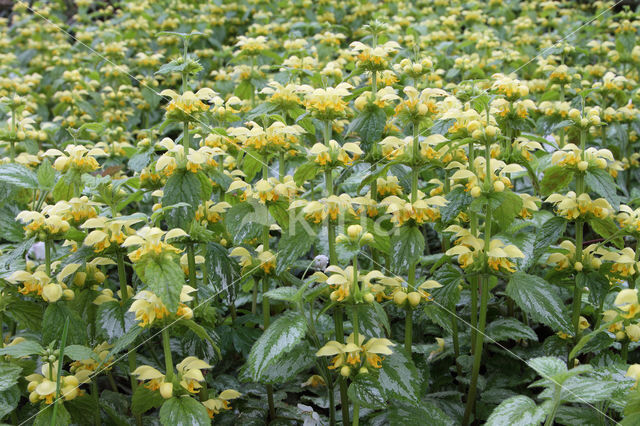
358,357
149,308
572,206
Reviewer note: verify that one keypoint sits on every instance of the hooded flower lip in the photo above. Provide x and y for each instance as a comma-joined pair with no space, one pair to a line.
352,355
153,242
77,157
221,402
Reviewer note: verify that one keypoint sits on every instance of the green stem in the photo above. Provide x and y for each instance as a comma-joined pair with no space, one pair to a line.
168,361
411,278
281,167
14,135
556,404
191,259
266,308
124,294
477,356
356,340
474,282
96,399
625,350
484,300
47,257
186,143
63,343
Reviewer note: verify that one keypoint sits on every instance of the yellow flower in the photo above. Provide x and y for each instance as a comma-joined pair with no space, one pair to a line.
421,211
42,387
334,154
627,302
221,402
43,225
148,307
107,232
572,206
183,107
634,372
79,158
328,104
190,375
153,378
152,242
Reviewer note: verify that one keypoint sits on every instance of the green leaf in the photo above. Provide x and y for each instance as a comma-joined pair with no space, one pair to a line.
510,329
45,417
18,175
10,228
457,199
245,221
222,271
407,245
399,379
289,365
83,407
145,399
110,320
597,284
9,375
182,187
281,336
284,294
587,390
509,208
548,367
295,242
602,184
517,411
68,186
53,321
9,399
547,234
122,343
165,280
539,299
24,348
365,390
369,126
183,411
606,228
424,413
581,415
17,252
306,172
26,313
555,179
46,175
251,165
79,352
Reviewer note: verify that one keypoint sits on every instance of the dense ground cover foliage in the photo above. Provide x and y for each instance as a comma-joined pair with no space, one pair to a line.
253,212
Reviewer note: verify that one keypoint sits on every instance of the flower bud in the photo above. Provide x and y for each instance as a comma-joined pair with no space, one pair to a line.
596,263
367,238
399,298
476,191
414,298
99,277
80,278
473,126
345,371
601,163
166,390
417,68
334,296
34,397
584,122
68,294
476,134
52,292
354,231
574,114
583,165
423,109
368,298
360,103
498,186
491,131
363,370
578,266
